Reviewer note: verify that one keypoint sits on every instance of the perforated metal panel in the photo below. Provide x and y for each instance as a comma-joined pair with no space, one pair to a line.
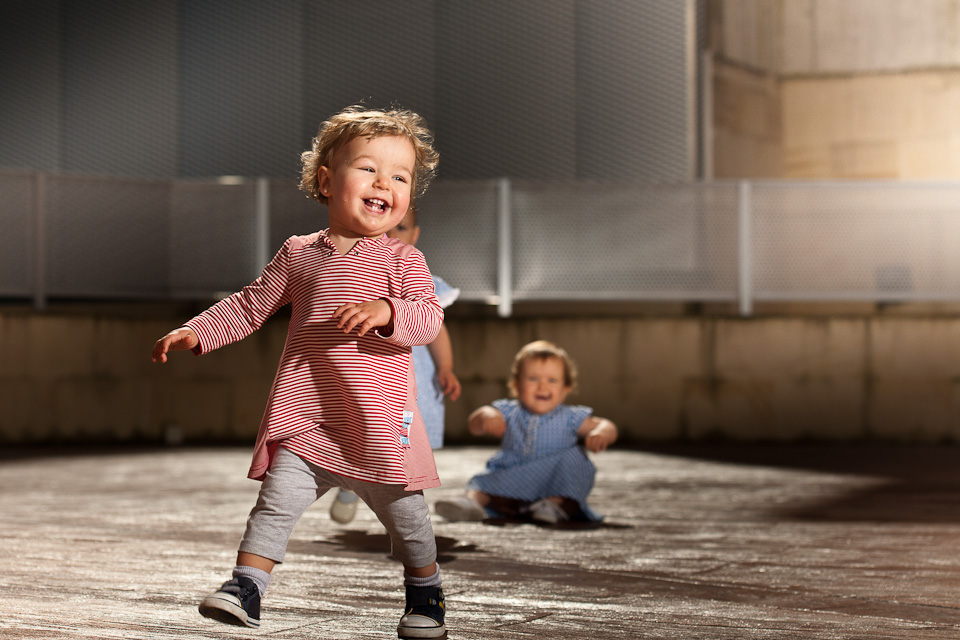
538,89
635,90
624,242
458,235
105,237
213,237
757,241
293,213
18,238
854,241
30,124
241,87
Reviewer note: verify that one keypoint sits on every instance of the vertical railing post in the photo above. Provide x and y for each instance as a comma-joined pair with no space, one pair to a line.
744,272
504,250
262,225
39,242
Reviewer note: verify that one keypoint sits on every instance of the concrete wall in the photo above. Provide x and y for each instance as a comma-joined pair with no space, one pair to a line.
829,89
89,377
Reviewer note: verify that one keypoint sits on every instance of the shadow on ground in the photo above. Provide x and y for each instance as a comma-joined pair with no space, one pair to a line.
916,483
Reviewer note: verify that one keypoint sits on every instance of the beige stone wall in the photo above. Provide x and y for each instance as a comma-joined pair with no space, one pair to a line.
831,37
747,132
836,89
70,378
899,126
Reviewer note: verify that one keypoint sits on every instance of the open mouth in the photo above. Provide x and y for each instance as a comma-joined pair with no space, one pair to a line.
376,204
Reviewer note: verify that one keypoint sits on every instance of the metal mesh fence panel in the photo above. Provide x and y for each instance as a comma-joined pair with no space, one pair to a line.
17,240
105,236
635,91
624,242
292,213
213,237
458,235
87,237
241,82
538,89
872,242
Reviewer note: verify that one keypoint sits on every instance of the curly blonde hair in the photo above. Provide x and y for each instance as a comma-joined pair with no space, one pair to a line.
358,120
542,350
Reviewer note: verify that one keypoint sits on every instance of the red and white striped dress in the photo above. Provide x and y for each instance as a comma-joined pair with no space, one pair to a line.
339,400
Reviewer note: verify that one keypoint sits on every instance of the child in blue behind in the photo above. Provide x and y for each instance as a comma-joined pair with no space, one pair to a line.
433,368
540,470
433,363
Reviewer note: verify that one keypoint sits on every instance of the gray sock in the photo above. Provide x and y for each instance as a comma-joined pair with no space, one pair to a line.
260,577
429,581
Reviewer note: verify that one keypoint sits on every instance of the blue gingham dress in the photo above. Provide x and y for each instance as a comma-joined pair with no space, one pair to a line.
539,457
429,392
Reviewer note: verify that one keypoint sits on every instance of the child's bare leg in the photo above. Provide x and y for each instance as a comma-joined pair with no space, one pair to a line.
422,572
479,497
245,559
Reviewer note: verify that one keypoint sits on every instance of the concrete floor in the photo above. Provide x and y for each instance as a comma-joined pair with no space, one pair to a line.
699,543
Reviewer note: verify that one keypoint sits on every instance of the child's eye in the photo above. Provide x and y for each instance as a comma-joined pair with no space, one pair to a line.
400,178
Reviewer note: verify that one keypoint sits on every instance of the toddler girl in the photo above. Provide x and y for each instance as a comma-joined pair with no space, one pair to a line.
539,471
342,411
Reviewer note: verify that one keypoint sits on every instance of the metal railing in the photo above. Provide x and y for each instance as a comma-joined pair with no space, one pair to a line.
499,241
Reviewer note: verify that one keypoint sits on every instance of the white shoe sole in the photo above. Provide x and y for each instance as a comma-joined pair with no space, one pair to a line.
417,633
226,608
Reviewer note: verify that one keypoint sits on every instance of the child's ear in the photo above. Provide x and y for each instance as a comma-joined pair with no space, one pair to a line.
323,181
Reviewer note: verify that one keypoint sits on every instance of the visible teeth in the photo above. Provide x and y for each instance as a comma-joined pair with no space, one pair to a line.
378,202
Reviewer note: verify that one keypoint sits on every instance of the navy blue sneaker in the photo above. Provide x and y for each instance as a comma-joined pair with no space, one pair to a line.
424,614
236,602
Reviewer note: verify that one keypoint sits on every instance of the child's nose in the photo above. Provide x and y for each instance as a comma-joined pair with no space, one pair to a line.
380,182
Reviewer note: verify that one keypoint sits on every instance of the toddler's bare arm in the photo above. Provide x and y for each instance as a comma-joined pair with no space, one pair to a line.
486,421
442,353
597,433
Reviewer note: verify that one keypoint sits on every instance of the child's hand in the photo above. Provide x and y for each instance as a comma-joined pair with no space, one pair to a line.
182,339
598,434
449,383
487,421
365,315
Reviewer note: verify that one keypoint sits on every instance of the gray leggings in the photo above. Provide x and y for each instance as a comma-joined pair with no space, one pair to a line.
292,484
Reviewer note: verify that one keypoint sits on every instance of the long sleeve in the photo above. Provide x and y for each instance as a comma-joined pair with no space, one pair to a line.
417,314
242,313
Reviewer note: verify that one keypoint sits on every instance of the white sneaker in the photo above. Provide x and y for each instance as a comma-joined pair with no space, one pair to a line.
460,509
344,506
548,512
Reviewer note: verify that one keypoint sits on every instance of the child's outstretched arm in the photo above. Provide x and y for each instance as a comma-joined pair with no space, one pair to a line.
486,421
182,339
441,350
597,433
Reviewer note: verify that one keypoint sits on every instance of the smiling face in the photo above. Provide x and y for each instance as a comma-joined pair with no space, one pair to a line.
369,185
540,384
